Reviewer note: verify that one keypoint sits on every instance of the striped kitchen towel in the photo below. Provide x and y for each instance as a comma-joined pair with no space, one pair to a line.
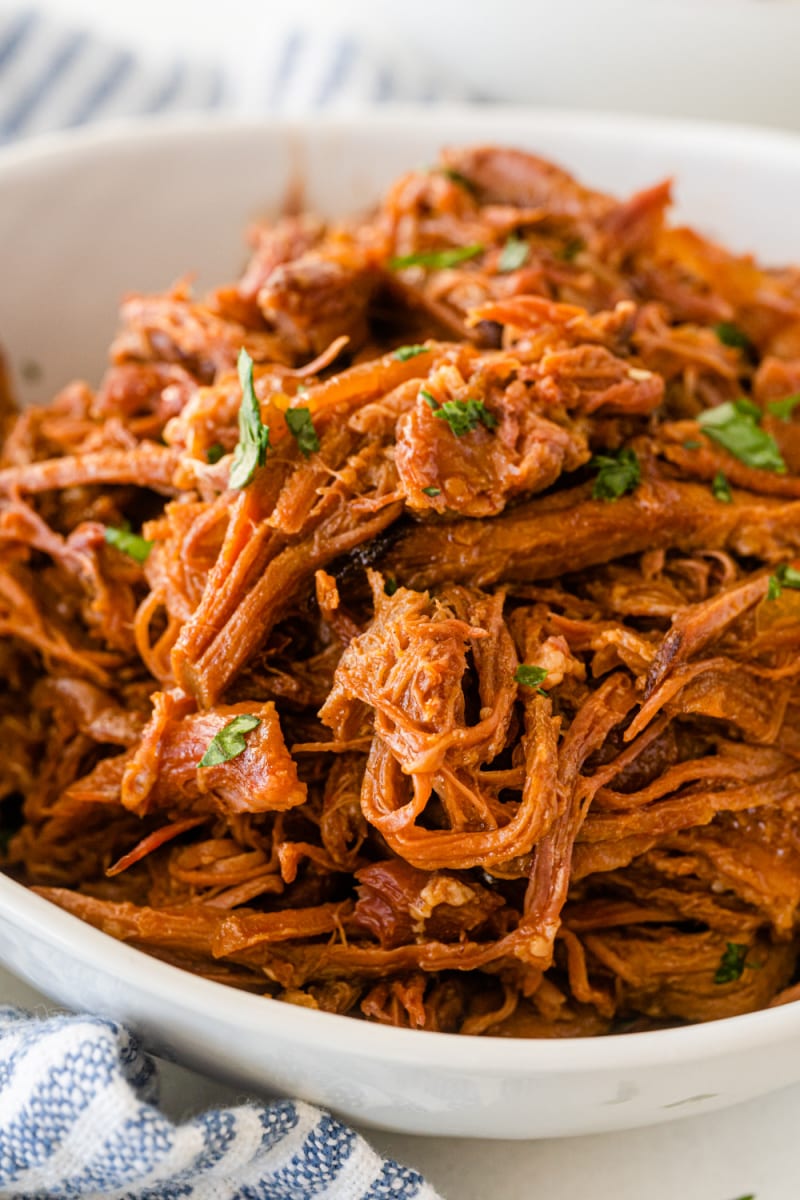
78,1121
54,76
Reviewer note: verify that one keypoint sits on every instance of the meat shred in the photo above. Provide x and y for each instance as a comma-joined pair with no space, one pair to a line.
476,708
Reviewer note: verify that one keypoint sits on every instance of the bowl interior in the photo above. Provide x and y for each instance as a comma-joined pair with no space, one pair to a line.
85,219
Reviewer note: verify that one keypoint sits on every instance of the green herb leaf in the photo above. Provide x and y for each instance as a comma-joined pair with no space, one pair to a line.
785,407
748,407
571,249
788,576
229,742
302,429
429,399
721,489
214,453
463,415
449,256
731,335
404,353
731,965
390,586
531,677
692,445
513,255
132,544
615,475
735,426
432,491
251,449
457,177
785,576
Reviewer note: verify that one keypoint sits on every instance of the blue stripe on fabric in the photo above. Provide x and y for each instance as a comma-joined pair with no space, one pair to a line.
168,90
13,1016
172,1191
278,1120
53,1107
60,62
384,84
26,1042
9,1065
219,1133
286,64
116,74
313,1168
135,1150
15,37
344,55
394,1183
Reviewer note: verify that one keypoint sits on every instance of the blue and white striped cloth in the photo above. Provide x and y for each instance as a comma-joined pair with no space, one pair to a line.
54,76
78,1121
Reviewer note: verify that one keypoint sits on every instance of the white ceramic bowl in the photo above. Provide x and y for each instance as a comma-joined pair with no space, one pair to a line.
86,217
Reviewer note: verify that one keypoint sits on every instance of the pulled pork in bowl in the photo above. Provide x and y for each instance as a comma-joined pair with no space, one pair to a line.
408,629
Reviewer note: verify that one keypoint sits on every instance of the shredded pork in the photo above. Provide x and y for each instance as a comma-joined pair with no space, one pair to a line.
474,707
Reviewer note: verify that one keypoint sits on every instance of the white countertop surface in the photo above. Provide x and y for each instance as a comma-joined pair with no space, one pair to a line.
744,1151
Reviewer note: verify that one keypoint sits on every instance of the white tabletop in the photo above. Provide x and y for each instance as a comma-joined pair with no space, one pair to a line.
748,1150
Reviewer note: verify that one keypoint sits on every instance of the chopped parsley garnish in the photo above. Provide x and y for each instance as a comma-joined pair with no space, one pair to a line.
571,249
463,415
457,177
302,430
531,677
432,491
390,586
229,742
404,353
735,425
785,576
721,489
785,407
438,260
251,449
513,255
731,335
616,474
692,445
731,965
132,544
214,453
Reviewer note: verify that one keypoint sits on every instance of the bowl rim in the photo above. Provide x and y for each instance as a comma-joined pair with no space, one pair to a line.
119,134
168,985
253,1015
